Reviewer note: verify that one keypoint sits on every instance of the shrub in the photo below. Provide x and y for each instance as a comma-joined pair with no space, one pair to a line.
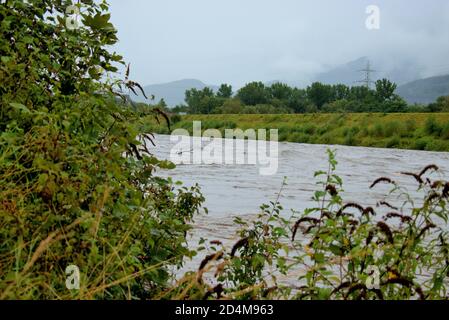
432,127
175,118
410,127
444,134
378,130
76,176
421,144
338,250
393,142
300,138
350,138
309,128
392,128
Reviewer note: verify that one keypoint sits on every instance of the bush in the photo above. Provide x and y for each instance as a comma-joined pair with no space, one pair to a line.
300,138
309,129
444,134
392,128
421,144
175,118
338,250
432,127
378,130
76,178
393,142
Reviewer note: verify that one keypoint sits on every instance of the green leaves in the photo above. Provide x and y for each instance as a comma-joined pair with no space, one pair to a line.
74,180
351,252
98,21
19,107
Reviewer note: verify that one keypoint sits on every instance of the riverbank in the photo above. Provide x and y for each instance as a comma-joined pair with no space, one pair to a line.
414,131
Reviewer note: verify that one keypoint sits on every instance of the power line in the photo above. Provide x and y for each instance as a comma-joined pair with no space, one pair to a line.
367,80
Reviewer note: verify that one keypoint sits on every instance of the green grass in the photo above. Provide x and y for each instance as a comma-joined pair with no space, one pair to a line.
418,131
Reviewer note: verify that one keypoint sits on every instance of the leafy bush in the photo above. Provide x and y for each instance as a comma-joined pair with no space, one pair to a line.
393,142
410,127
378,130
445,131
432,127
77,184
337,249
175,118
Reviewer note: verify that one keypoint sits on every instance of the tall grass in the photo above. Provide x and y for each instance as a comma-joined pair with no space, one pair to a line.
405,131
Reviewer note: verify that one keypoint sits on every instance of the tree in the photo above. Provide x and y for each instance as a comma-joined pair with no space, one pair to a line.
231,106
319,94
385,90
225,91
253,93
201,101
162,104
394,105
361,94
341,92
441,105
180,109
280,91
298,101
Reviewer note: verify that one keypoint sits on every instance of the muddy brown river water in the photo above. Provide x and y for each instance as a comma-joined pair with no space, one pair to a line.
239,190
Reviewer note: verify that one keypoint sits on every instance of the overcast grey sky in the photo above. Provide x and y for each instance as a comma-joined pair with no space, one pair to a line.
237,41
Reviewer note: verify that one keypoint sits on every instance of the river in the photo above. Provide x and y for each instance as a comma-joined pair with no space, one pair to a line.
239,190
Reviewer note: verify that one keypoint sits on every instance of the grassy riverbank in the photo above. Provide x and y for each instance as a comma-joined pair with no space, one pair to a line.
419,131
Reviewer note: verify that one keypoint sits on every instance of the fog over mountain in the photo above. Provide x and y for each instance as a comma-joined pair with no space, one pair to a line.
352,72
410,85
290,40
425,90
172,92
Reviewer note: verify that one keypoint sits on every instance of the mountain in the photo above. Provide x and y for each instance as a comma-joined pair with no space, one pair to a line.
350,73
347,74
425,90
172,92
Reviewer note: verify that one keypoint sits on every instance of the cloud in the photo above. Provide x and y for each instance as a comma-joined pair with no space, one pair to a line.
238,41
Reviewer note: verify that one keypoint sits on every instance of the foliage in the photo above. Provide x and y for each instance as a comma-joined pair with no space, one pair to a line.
353,253
253,93
225,91
398,249
77,181
441,105
202,101
281,98
397,130
385,90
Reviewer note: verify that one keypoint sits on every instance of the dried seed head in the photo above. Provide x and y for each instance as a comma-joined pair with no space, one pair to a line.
414,175
428,168
386,230
403,218
350,205
425,229
239,244
446,190
313,221
382,179
332,190
386,204
209,258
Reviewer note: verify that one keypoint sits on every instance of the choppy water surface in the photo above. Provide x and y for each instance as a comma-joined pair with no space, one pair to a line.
239,190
